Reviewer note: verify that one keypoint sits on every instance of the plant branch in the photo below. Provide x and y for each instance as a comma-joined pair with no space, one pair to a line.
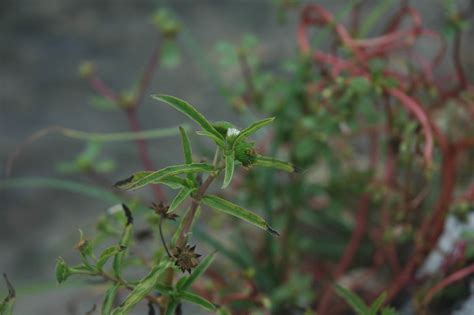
454,277
147,76
142,148
192,211
349,252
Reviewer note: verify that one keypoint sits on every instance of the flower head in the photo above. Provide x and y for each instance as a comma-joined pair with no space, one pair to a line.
185,258
232,132
162,211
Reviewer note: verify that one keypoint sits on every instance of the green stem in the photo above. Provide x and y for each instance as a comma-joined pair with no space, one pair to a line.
188,219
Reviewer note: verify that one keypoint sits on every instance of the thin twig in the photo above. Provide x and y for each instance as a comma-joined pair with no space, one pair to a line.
162,237
454,277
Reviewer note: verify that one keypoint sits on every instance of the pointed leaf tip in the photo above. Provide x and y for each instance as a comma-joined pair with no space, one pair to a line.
229,169
123,182
128,214
187,109
272,231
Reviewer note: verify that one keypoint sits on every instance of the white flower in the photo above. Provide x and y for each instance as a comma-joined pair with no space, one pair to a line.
232,132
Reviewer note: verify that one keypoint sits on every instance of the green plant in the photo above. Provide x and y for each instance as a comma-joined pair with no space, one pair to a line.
6,306
360,307
372,129
232,149
381,155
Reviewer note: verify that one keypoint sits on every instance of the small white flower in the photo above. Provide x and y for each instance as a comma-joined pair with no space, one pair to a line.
115,209
232,132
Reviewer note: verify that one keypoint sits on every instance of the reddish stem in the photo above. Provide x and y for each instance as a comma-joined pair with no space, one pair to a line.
101,88
349,252
454,277
431,228
142,149
147,76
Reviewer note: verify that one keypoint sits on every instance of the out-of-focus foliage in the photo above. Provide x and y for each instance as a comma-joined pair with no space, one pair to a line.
357,174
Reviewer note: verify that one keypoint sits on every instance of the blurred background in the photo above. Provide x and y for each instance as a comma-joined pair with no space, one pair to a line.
42,44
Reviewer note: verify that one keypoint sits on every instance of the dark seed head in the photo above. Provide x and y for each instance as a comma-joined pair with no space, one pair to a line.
185,258
162,211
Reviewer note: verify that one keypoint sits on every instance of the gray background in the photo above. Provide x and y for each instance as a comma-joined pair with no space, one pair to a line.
42,42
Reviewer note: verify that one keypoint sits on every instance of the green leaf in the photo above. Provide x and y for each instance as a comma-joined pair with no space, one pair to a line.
263,161
229,168
62,270
6,306
140,179
212,136
110,295
107,253
124,243
189,111
186,282
180,198
173,182
165,288
389,311
228,207
199,300
252,129
142,289
188,155
377,304
172,305
353,300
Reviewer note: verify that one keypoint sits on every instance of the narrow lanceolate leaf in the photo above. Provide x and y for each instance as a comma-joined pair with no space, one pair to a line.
228,207
6,306
186,282
187,150
138,180
107,253
188,154
173,182
180,198
252,129
229,168
109,298
189,111
171,308
199,300
124,243
377,304
353,300
217,140
263,161
142,289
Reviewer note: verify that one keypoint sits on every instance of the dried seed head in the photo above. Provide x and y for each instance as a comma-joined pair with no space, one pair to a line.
185,258
162,211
